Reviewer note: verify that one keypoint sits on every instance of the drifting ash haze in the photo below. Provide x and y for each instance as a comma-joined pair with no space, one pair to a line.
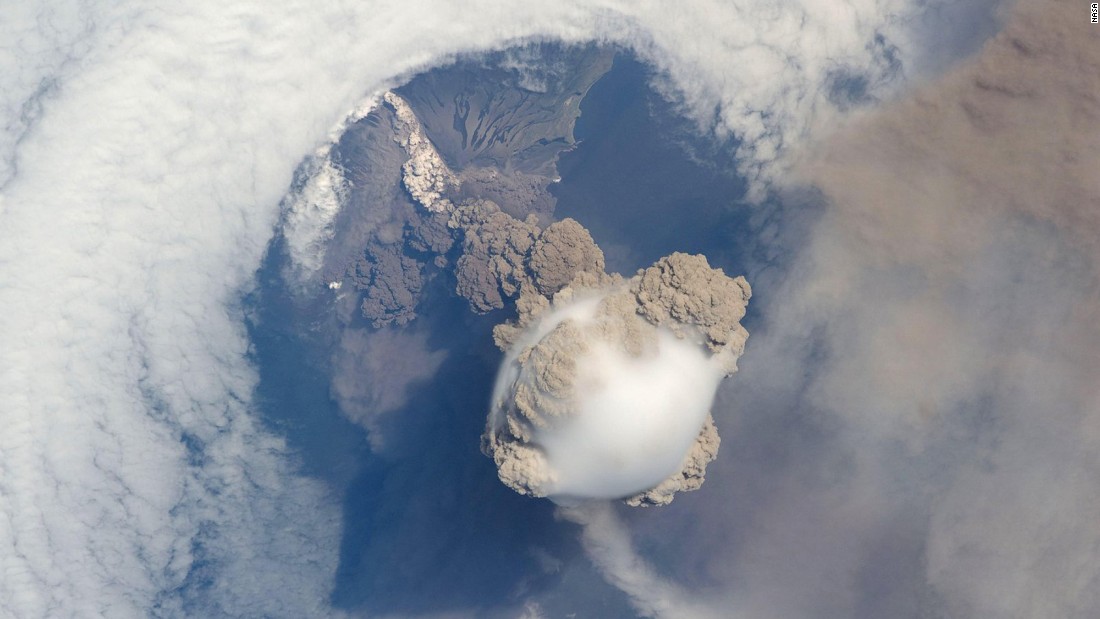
606,391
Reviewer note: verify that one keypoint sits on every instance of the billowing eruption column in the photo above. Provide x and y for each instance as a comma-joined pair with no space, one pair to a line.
606,388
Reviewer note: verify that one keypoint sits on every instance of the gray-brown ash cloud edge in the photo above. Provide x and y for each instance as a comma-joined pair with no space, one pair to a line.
680,293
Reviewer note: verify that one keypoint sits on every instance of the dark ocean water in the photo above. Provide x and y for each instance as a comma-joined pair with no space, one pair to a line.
643,183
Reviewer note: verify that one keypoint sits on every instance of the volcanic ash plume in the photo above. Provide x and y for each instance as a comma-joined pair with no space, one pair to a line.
605,391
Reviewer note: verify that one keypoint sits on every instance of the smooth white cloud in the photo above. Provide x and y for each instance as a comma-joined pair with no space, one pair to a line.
636,421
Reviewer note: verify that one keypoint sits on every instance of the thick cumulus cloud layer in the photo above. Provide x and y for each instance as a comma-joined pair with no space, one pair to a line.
144,152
